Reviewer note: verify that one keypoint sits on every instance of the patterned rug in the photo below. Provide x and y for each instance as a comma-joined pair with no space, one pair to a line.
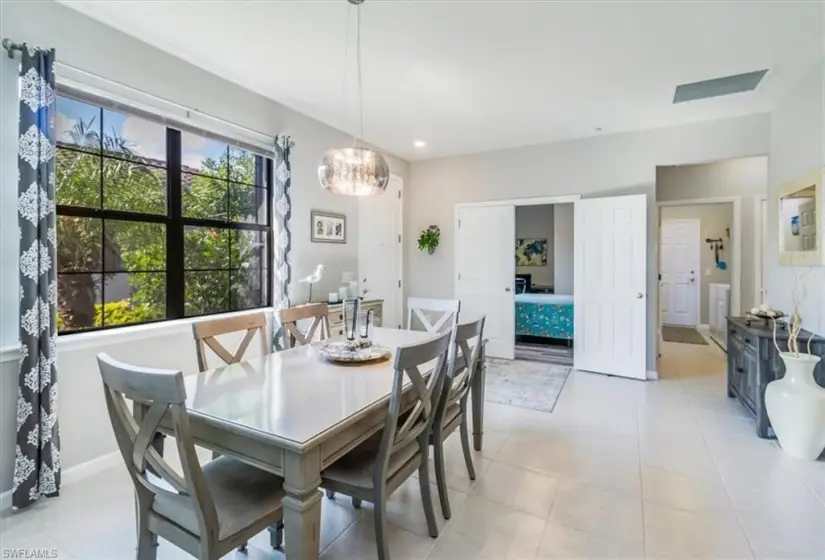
683,335
533,385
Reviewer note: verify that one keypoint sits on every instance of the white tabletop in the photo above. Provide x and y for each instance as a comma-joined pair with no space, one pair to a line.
295,395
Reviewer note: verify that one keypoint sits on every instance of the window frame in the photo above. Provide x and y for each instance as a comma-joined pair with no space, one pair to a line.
175,222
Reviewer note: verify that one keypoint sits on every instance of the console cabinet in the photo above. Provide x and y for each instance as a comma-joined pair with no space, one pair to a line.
753,362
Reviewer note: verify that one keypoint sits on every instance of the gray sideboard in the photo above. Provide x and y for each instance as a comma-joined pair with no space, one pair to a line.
753,362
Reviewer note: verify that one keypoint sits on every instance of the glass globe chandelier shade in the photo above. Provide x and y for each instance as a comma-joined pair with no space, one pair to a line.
354,172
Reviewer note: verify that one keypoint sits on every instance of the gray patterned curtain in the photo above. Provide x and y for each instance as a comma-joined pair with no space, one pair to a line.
282,235
37,456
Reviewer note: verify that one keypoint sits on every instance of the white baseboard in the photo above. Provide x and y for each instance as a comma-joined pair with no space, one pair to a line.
73,474
704,328
652,374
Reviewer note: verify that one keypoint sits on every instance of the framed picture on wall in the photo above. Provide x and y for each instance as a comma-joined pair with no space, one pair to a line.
328,228
531,252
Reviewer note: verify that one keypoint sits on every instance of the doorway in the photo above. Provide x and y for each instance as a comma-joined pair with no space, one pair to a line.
609,278
699,268
544,283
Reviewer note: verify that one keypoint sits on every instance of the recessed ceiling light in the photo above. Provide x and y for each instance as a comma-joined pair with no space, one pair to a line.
420,144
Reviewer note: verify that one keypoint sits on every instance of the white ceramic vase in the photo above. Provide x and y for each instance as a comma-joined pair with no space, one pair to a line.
796,407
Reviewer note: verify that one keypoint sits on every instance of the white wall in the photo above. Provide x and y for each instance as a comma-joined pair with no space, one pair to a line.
604,166
797,146
536,222
746,178
86,44
563,251
713,221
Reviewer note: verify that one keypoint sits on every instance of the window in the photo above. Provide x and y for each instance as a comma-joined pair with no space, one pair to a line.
154,223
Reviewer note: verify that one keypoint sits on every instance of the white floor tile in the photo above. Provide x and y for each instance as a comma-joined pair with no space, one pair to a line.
674,533
485,529
520,489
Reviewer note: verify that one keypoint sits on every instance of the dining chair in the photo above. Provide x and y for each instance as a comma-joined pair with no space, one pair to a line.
376,468
419,308
206,331
452,408
318,312
210,509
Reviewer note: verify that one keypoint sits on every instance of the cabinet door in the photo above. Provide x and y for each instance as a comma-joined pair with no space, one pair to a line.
750,389
736,367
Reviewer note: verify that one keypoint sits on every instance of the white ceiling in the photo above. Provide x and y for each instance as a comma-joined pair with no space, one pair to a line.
469,76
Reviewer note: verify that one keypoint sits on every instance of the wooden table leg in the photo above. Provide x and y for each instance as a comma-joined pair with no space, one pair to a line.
478,399
302,504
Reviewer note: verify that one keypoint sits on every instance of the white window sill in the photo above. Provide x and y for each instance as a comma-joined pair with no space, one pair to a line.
99,339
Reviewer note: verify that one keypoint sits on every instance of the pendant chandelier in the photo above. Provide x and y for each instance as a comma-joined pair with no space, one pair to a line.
354,171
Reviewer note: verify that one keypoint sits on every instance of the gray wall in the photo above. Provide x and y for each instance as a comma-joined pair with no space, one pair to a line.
86,44
714,219
563,253
797,146
593,167
746,178
537,222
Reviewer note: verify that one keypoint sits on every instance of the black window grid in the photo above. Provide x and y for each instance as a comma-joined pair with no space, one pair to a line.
175,224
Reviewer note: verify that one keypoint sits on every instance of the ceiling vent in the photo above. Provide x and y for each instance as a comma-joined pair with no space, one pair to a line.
738,83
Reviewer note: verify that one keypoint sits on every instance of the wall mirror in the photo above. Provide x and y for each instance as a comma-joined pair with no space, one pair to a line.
801,220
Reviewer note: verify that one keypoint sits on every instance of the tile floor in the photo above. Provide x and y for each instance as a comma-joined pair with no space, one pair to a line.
666,469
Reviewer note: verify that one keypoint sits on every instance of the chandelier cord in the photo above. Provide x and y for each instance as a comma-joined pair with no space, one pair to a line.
358,65
343,103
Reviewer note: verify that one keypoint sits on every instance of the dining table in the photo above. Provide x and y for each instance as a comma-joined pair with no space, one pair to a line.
294,413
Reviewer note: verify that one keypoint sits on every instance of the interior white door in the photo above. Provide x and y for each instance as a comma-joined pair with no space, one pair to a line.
379,250
679,264
485,273
610,285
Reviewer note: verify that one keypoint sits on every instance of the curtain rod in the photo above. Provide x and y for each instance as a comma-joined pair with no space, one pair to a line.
12,46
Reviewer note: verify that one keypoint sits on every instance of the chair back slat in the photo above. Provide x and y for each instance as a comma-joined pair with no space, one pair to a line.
165,394
448,308
425,390
319,313
459,381
205,332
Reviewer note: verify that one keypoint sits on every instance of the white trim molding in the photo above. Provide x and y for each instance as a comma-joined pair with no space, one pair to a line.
97,339
528,201
759,235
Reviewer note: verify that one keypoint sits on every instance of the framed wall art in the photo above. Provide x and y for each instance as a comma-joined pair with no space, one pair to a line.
328,228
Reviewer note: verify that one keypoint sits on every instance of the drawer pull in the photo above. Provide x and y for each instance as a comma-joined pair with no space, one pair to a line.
341,317
740,370
748,340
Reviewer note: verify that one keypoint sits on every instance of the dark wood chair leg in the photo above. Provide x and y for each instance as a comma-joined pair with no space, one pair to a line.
465,444
426,494
440,474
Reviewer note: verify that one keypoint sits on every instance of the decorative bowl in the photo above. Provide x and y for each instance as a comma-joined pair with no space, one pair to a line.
353,352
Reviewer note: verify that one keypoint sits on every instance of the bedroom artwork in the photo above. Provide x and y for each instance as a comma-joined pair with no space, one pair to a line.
531,252
328,228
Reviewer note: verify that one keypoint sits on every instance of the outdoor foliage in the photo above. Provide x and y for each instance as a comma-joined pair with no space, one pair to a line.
129,257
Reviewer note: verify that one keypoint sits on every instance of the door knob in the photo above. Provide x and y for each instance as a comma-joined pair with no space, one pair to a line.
639,295
506,289
693,279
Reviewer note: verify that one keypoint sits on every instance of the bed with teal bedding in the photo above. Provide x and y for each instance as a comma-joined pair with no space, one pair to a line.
544,315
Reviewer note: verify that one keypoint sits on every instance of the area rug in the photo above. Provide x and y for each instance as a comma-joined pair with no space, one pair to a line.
547,353
682,335
533,385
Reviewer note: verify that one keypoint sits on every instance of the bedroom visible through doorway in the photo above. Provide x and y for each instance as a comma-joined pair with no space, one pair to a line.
544,283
